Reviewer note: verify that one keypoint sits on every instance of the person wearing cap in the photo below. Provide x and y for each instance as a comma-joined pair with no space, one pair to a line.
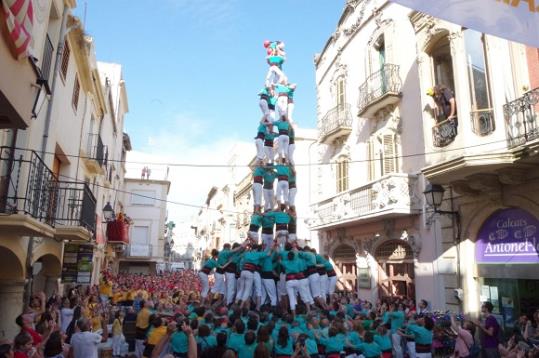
444,99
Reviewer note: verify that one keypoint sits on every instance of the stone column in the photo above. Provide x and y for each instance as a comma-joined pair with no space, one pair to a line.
11,304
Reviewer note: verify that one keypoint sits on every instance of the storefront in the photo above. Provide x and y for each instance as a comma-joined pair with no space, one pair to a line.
506,253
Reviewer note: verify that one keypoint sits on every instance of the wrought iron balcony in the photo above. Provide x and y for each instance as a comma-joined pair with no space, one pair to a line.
382,88
521,119
390,196
141,251
483,122
336,123
444,132
27,193
75,214
96,154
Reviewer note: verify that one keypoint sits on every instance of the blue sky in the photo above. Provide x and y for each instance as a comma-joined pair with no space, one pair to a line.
193,69
202,61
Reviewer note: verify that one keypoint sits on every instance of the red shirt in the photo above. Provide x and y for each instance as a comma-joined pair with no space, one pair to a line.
36,337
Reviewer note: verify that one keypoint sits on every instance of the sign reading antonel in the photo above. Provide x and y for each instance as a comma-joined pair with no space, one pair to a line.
508,236
77,266
516,20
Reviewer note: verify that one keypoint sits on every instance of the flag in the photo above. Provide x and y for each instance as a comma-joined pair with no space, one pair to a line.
19,17
515,20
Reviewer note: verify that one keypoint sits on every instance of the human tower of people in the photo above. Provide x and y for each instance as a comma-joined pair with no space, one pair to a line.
270,268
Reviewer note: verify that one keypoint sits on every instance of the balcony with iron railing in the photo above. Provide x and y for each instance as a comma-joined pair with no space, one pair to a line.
382,88
390,196
444,132
96,154
140,251
27,192
75,211
335,124
522,123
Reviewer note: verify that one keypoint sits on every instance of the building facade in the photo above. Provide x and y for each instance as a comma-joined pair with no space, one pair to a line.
145,204
380,146
52,172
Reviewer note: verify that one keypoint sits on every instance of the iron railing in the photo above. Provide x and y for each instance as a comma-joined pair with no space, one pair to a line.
27,185
483,122
521,120
444,132
96,150
384,81
75,205
391,193
337,118
140,250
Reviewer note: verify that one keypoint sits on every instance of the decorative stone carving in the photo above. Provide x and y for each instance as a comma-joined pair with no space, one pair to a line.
512,176
484,183
357,24
413,241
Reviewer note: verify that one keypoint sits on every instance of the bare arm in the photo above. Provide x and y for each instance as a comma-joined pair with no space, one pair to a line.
453,107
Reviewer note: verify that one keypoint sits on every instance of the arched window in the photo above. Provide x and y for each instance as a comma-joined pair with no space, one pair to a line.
442,63
342,174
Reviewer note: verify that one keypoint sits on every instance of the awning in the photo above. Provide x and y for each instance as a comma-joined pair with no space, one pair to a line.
515,20
19,18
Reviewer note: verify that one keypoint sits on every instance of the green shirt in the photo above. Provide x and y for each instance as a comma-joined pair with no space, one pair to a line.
281,217
259,172
179,342
235,341
384,342
421,334
269,178
282,125
370,350
256,219
333,344
210,264
254,257
268,220
309,258
223,257
282,170
291,266
247,351
397,320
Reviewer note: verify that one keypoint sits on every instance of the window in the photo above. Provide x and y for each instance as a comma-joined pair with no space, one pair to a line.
442,63
76,92
342,174
482,118
389,154
383,155
65,60
341,95
143,197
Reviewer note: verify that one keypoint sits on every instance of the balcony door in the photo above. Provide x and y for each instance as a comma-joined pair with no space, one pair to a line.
140,241
395,270
344,257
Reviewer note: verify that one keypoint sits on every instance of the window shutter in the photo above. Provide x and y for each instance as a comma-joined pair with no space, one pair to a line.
389,36
340,93
345,164
389,153
371,160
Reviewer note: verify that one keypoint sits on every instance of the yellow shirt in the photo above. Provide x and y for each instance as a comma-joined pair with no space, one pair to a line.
143,318
117,297
96,323
156,335
131,295
105,288
117,327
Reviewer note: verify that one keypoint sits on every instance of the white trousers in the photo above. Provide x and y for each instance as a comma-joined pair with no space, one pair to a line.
139,347
257,194
205,284
332,285
270,155
269,199
281,285
291,112
267,240
292,289
305,291
230,287
246,279
254,235
292,196
282,107
292,237
269,290
259,143
117,342
263,103
282,191
314,284
257,283
274,75
283,146
291,150
410,346
396,341
324,286
219,286
281,236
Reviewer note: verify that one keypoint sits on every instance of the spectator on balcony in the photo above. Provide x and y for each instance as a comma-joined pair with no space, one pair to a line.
444,99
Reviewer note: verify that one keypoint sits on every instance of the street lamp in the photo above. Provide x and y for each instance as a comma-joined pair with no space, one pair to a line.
108,212
434,194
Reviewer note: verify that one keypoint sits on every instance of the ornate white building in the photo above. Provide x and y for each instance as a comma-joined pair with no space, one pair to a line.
379,147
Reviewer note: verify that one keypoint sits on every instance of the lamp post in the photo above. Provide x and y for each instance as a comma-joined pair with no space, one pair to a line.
108,212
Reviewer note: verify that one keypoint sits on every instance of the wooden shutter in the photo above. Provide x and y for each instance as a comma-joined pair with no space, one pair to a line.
371,160
340,94
389,154
345,164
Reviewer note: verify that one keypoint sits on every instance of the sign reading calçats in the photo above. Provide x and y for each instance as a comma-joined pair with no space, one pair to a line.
77,265
509,236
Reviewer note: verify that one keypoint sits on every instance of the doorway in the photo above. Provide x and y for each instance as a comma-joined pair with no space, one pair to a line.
395,270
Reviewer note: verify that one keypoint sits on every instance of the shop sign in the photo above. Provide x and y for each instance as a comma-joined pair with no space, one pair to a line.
508,236
77,264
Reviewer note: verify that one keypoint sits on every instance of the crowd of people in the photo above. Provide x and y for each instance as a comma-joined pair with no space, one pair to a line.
135,315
